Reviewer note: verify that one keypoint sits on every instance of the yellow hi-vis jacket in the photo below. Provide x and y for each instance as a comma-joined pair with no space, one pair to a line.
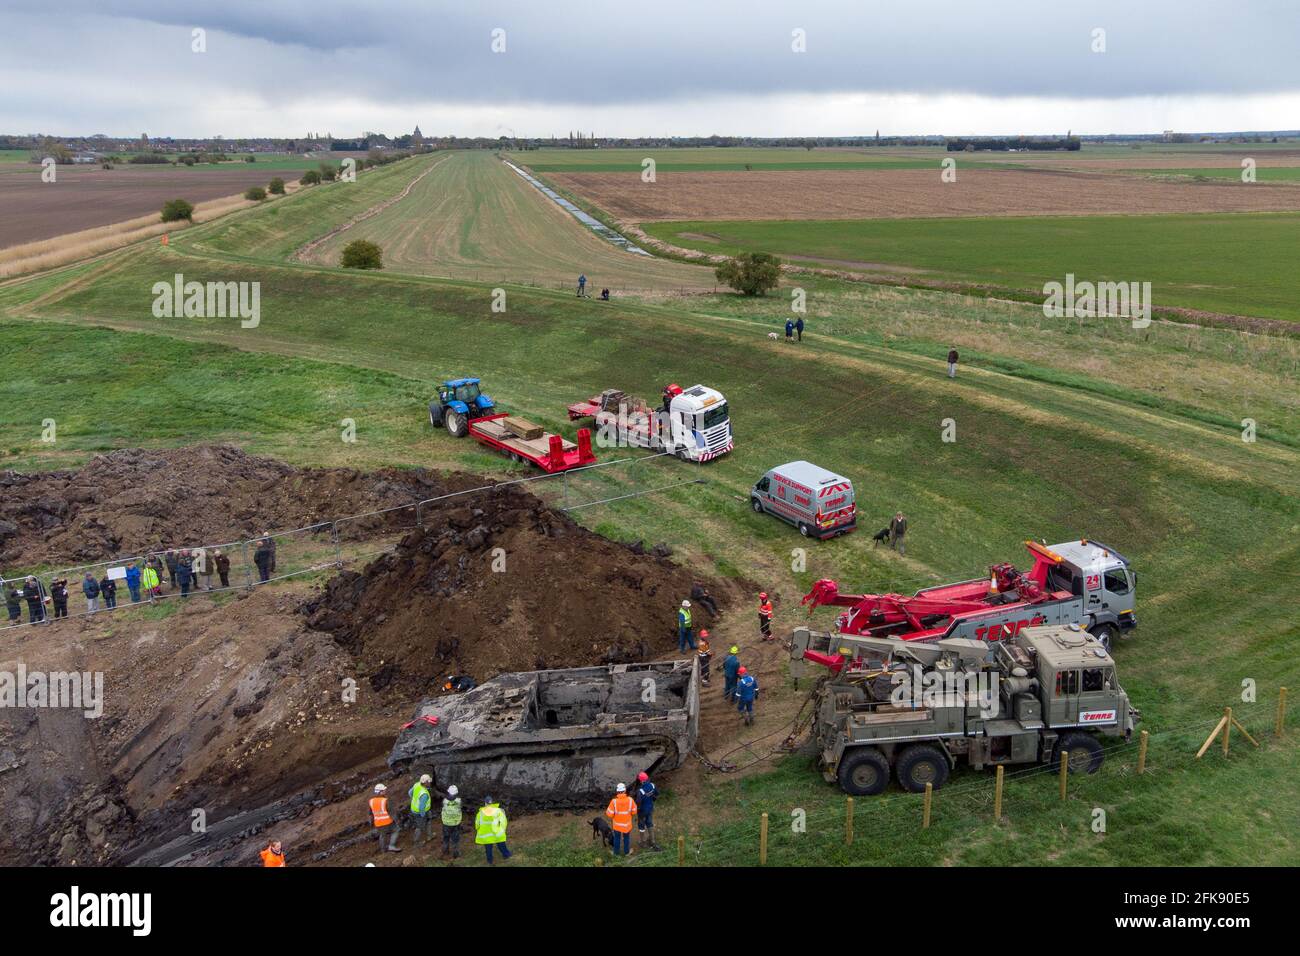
490,825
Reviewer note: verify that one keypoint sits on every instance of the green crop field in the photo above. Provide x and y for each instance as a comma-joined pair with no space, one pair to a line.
1237,264
1064,428
1263,174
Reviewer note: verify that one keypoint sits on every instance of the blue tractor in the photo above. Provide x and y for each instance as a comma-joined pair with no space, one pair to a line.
459,401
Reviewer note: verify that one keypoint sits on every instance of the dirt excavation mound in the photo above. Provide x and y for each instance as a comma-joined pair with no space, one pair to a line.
505,584
127,502
234,708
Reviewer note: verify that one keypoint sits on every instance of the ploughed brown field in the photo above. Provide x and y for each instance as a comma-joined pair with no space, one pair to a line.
83,197
911,193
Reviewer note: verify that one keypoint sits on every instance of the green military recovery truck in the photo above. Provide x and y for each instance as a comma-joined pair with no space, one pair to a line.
917,709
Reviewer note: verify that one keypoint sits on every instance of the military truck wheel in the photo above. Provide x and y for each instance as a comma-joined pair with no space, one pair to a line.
1085,753
920,764
457,424
1105,635
864,772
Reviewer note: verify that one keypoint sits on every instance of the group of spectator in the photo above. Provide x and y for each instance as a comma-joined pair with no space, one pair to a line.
166,571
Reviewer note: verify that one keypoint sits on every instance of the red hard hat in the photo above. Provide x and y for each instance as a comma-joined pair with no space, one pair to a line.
643,776
704,632
762,595
742,671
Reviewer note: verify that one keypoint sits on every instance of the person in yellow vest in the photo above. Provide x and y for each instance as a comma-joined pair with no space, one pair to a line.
490,829
382,820
149,579
273,855
451,817
421,807
621,811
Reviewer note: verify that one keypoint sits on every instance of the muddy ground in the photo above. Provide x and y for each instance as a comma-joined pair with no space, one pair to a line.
230,709
127,502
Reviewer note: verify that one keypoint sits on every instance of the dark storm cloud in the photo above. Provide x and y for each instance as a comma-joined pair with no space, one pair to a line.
628,52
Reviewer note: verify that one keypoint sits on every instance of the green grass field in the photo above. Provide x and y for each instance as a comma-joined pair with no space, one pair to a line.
1237,264
1064,429
1263,174
709,159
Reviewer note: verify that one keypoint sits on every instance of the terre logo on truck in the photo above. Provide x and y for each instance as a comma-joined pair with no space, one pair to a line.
1097,716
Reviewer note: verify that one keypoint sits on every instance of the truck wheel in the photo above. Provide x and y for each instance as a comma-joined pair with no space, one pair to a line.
1105,635
864,772
457,424
756,505
920,764
1085,753
804,529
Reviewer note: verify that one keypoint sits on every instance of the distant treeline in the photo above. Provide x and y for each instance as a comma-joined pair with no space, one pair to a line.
1016,143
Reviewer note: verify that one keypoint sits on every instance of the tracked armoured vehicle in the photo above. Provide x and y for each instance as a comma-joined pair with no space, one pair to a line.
556,738
918,709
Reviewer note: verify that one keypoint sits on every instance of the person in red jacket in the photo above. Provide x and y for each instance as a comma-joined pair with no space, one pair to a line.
765,616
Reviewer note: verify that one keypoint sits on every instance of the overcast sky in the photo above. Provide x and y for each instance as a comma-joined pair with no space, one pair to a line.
647,67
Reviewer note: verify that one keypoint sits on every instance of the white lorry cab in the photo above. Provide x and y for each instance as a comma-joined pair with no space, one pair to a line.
691,423
816,501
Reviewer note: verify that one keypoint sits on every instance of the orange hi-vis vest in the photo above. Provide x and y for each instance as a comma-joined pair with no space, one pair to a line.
271,858
379,810
622,808
765,609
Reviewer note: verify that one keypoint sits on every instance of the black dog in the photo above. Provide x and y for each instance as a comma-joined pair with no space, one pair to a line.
881,535
600,827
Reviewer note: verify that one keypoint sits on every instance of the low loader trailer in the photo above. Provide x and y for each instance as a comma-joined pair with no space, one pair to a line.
691,423
521,440
1077,582
915,710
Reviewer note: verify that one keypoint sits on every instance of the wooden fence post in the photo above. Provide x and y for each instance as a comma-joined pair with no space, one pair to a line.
848,822
762,841
929,797
997,795
681,851
1065,770
1281,713
1227,728
1142,753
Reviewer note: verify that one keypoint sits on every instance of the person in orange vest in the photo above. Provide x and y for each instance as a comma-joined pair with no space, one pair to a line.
765,616
382,820
273,855
621,811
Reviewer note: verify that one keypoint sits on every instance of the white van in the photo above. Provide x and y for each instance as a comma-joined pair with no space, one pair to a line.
816,501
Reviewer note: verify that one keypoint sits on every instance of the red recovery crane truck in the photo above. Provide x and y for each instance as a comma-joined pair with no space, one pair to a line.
1078,582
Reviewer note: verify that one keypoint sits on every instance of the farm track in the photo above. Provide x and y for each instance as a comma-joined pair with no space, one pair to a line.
475,219
304,253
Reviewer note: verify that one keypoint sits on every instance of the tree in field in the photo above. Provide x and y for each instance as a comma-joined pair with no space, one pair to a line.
310,178
276,186
361,254
255,193
174,210
752,273
328,173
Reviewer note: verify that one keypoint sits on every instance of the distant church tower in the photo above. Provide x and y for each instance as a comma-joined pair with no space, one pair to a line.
417,137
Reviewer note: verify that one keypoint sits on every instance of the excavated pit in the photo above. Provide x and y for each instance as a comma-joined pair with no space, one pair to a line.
230,710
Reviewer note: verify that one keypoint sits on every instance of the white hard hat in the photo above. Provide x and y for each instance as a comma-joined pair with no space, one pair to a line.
452,791
426,779
686,604
621,788
380,788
